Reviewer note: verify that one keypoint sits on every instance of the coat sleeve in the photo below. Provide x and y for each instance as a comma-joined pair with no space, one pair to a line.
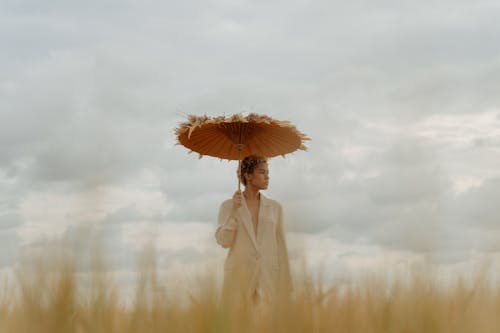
227,226
283,260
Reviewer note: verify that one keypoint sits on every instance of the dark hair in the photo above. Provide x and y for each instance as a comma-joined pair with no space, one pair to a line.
248,165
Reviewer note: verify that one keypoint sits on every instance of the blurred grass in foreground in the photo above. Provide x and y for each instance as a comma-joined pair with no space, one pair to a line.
48,296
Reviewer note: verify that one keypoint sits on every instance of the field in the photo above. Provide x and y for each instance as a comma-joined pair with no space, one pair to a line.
49,295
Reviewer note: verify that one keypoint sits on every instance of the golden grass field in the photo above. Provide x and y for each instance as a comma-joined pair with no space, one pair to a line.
48,296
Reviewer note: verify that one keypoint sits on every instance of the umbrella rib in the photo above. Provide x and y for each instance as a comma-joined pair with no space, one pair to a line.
227,141
222,142
246,130
202,142
220,145
198,136
199,140
285,146
259,144
263,143
233,132
277,143
237,131
253,139
242,127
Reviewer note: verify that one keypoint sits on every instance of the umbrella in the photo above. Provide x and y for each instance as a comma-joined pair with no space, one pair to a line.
237,136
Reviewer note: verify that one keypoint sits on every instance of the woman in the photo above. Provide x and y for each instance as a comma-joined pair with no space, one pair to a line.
251,226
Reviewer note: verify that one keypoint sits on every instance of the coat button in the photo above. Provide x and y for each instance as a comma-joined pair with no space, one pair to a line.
257,256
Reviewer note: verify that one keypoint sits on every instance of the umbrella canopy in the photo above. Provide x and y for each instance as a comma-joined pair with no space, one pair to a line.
238,136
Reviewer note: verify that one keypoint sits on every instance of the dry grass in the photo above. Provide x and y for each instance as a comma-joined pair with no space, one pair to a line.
49,296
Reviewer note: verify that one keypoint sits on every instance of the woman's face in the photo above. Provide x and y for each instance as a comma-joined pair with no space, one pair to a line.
260,176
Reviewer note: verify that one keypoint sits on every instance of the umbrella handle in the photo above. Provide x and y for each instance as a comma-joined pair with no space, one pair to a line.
238,175
239,146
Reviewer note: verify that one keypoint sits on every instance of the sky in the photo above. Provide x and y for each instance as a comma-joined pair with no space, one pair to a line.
400,100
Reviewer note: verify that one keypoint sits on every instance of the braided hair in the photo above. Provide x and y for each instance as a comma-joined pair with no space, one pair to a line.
248,165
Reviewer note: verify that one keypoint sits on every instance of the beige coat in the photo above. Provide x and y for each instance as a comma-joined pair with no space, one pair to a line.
255,263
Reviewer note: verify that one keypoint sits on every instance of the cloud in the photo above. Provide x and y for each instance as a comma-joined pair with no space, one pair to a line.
10,220
76,137
409,173
477,208
10,247
399,100
123,215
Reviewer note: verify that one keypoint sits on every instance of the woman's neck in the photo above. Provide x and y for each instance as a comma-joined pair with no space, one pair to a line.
251,193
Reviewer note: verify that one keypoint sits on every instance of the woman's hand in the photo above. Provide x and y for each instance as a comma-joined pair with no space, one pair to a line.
237,201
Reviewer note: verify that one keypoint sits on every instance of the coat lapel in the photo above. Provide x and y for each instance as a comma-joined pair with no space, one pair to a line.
247,220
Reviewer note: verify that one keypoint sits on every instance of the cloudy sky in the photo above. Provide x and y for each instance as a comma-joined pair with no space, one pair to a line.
400,99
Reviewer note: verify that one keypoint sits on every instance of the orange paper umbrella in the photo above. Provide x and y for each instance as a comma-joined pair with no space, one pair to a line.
237,136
